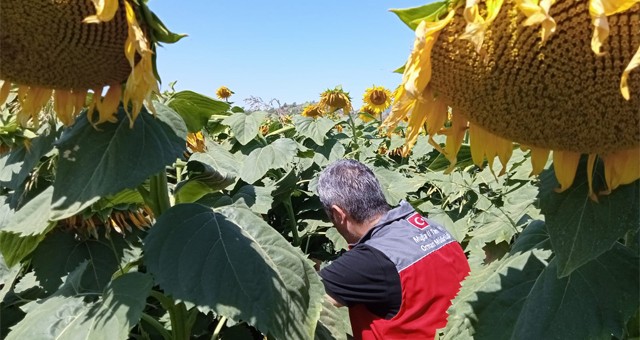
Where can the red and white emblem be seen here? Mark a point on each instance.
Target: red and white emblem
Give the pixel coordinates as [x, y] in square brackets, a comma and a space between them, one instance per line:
[417, 221]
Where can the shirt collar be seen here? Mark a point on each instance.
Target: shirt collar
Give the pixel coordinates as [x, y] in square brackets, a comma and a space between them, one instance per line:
[402, 210]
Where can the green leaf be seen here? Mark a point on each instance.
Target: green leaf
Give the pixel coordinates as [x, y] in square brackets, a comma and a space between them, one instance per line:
[284, 187]
[68, 317]
[27, 228]
[245, 125]
[412, 16]
[258, 198]
[581, 229]
[8, 276]
[314, 128]
[331, 151]
[594, 302]
[219, 159]
[59, 253]
[195, 109]
[233, 262]
[203, 179]
[95, 163]
[334, 322]
[465, 309]
[16, 165]
[278, 154]
[338, 241]
[396, 186]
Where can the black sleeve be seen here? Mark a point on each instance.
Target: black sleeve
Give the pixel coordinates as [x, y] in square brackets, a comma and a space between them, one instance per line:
[364, 275]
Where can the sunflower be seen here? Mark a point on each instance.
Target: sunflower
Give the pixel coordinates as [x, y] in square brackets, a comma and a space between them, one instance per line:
[196, 142]
[313, 111]
[548, 75]
[64, 49]
[377, 98]
[224, 93]
[367, 113]
[336, 99]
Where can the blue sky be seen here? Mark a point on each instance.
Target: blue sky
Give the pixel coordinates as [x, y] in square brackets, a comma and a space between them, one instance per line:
[288, 50]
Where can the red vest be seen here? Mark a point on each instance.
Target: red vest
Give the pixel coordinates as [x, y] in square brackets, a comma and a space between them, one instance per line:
[431, 265]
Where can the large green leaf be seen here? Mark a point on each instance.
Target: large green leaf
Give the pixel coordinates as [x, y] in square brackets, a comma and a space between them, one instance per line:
[232, 262]
[195, 109]
[95, 163]
[219, 159]
[59, 253]
[594, 302]
[333, 324]
[510, 278]
[64, 316]
[27, 228]
[314, 128]
[258, 198]
[278, 154]
[581, 229]
[523, 295]
[16, 165]
[331, 151]
[395, 185]
[245, 125]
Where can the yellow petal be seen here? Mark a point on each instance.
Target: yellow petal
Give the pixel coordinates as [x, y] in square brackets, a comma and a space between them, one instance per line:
[61, 99]
[622, 167]
[105, 10]
[5, 87]
[599, 10]
[455, 136]
[109, 104]
[539, 158]
[476, 24]
[624, 86]
[80, 98]
[416, 120]
[591, 161]
[478, 140]
[565, 164]
[537, 12]
[400, 110]
[417, 73]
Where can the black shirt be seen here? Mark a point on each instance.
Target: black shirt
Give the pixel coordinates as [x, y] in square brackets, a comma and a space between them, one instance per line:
[373, 280]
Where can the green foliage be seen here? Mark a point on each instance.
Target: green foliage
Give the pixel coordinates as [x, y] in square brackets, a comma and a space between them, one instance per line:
[95, 163]
[276, 288]
[196, 109]
[239, 231]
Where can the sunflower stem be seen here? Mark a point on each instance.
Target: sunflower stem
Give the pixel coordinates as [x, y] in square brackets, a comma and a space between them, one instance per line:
[354, 135]
[292, 221]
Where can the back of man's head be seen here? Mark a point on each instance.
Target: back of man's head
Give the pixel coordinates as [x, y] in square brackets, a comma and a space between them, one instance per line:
[353, 187]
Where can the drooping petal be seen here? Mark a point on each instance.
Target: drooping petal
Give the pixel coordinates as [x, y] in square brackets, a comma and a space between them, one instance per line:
[620, 168]
[61, 99]
[476, 24]
[417, 73]
[416, 120]
[455, 136]
[537, 12]
[624, 86]
[565, 164]
[105, 11]
[591, 161]
[539, 157]
[5, 87]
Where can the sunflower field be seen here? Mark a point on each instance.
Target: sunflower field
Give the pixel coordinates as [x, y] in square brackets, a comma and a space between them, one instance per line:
[130, 213]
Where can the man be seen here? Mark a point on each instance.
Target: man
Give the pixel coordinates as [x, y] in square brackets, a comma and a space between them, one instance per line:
[401, 272]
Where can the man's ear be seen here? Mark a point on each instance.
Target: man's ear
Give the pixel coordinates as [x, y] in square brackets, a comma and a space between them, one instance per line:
[338, 214]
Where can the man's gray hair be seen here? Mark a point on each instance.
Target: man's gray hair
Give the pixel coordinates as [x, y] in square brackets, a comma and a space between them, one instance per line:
[353, 187]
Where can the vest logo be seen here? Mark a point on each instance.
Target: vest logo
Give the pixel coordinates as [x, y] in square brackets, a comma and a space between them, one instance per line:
[417, 221]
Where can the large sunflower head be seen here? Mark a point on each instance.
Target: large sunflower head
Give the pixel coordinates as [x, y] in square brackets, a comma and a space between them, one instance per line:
[549, 75]
[223, 92]
[336, 99]
[377, 98]
[65, 49]
[313, 111]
